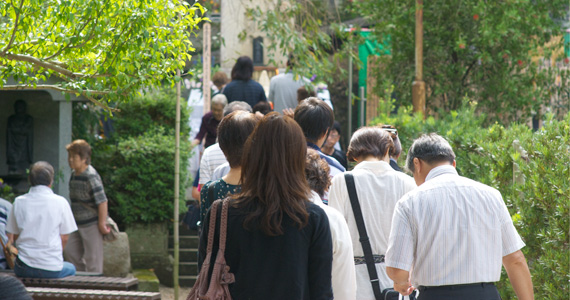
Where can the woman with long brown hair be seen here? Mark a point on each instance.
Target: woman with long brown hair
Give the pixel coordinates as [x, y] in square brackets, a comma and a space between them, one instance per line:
[278, 242]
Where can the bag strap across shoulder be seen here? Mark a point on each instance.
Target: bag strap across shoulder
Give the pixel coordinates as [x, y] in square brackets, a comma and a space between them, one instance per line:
[364, 239]
[212, 225]
[224, 225]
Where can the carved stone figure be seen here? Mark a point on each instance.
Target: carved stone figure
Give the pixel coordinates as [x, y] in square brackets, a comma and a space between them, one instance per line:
[19, 139]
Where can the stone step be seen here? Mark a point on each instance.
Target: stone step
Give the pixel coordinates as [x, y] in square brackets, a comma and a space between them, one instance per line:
[185, 241]
[186, 281]
[186, 254]
[188, 268]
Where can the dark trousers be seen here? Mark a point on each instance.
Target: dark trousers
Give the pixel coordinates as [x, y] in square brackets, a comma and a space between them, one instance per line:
[475, 291]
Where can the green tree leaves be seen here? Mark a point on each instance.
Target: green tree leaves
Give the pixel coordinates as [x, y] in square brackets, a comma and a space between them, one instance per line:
[102, 49]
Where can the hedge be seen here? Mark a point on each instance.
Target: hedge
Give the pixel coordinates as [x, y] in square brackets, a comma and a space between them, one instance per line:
[534, 180]
[136, 162]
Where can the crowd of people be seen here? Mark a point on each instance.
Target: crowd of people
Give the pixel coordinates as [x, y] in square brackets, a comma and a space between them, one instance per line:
[300, 226]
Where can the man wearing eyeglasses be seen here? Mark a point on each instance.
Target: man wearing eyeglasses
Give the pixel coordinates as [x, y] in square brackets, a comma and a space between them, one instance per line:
[453, 233]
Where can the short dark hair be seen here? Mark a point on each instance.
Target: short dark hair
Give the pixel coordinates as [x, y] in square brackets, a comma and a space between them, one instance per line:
[263, 107]
[233, 131]
[81, 148]
[315, 117]
[369, 141]
[41, 173]
[336, 126]
[317, 172]
[303, 93]
[243, 69]
[430, 148]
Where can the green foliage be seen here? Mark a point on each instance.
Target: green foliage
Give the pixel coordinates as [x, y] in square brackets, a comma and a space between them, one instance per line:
[539, 204]
[485, 50]
[152, 111]
[311, 33]
[143, 184]
[480, 49]
[136, 163]
[104, 50]
[6, 192]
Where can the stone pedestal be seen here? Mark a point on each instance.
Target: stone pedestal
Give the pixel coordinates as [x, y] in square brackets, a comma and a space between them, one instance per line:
[149, 250]
[117, 257]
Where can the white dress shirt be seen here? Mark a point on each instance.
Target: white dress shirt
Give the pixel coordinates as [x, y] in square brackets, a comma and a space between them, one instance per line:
[212, 158]
[378, 187]
[40, 217]
[451, 230]
[343, 271]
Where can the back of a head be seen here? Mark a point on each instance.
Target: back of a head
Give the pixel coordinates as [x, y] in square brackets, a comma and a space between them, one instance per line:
[81, 148]
[233, 131]
[369, 141]
[220, 79]
[243, 69]
[235, 106]
[315, 117]
[397, 150]
[303, 93]
[41, 173]
[317, 172]
[431, 148]
[273, 175]
[263, 107]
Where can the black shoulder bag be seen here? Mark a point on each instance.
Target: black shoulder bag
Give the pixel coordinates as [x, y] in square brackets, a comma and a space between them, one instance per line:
[379, 294]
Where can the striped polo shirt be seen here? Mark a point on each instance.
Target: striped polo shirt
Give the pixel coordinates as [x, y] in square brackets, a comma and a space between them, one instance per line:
[86, 193]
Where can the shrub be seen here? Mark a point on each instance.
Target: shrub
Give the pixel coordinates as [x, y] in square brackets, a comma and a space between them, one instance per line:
[136, 162]
[143, 184]
[539, 206]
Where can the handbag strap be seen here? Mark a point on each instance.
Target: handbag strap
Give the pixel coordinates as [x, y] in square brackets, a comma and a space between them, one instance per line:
[224, 225]
[364, 239]
[212, 226]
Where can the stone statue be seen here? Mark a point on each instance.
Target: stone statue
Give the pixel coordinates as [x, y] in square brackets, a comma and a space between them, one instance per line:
[19, 139]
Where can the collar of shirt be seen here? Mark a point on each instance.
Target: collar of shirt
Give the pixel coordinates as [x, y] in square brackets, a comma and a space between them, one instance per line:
[41, 189]
[441, 170]
[374, 166]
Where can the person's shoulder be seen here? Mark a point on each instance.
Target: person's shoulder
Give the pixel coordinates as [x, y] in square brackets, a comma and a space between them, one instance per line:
[5, 203]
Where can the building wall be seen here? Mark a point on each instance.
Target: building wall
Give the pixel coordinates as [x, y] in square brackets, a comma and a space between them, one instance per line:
[233, 22]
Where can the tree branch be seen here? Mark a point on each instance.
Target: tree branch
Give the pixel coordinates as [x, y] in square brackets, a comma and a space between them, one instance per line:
[15, 27]
[54, 66]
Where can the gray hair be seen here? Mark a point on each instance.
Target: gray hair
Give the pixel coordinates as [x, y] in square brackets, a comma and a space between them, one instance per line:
[220, 99]
[429, 148]
[237, 105]
[41, 173]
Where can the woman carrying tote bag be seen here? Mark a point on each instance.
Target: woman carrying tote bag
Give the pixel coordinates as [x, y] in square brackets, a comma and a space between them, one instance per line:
[278, 243]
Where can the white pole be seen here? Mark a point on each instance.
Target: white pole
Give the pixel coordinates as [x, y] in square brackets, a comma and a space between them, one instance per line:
[177, 189]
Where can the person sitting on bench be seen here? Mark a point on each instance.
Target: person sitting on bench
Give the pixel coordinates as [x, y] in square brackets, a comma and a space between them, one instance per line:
[39, 224]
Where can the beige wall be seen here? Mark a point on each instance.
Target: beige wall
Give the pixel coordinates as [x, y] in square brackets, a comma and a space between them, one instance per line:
[234, 21]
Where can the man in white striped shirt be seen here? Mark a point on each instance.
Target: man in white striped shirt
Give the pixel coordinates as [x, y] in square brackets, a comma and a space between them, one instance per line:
[453, 233]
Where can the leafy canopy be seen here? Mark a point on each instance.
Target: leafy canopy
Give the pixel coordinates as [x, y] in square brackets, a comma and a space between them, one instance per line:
[486, 50]
[104, 50]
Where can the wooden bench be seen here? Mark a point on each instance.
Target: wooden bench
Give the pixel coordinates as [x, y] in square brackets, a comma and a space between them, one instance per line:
[39, 293]
[84, 282]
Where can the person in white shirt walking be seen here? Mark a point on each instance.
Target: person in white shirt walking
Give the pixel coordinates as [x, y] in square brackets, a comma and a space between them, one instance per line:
[40, 223]
[378, 187]
[453, 233]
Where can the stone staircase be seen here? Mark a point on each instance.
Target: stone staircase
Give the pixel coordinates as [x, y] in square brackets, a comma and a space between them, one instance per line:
[188, 247]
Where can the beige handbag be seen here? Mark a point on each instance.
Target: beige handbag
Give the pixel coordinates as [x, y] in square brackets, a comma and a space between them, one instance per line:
[10, 253]
[217, 287]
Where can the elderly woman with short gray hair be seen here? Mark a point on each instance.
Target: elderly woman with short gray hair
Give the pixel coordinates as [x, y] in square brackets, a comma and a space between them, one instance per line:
[378, 188]
[210, 121]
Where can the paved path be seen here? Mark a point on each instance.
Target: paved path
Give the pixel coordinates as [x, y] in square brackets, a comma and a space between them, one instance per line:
[168, 293]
